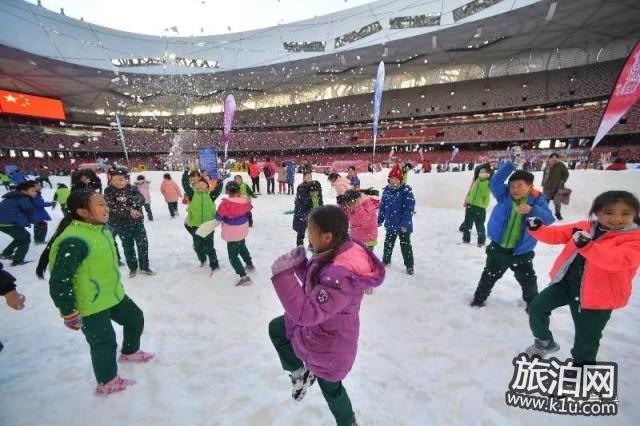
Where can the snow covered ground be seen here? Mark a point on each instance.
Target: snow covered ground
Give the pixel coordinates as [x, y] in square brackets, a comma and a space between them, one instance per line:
[424, 357]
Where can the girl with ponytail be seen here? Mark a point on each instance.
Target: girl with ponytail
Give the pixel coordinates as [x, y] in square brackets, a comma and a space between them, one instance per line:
[85, 286]
[317, 336]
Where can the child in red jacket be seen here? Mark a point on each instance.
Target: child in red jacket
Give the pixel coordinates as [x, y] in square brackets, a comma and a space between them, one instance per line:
[592, 275]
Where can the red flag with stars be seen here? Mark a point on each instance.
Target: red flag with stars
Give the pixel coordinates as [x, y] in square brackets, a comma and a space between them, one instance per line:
[33, 106]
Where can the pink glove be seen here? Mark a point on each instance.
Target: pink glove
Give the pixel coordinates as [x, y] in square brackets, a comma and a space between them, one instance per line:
[73, 321]
[289, 260]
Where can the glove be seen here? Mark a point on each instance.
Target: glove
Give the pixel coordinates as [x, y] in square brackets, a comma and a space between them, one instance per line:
[581, 238]
[534, 223]
[73, 321]
[289, 260]
[53, 205]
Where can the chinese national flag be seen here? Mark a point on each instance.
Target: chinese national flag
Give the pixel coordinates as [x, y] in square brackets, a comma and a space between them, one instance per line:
[33, 106]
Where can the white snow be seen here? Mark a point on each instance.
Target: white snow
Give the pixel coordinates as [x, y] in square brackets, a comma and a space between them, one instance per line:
[425, 357]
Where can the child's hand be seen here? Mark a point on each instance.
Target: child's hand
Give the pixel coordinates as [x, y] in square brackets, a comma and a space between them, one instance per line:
[136, 214]
[533, 223]
[15, 300]
[581, 238]
[73, 321]
[524, 209]
[121, 199]
[289, 260]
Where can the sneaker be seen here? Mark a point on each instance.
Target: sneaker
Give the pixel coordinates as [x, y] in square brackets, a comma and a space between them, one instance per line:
[542, 348]
[243, 281]
[23, 262]
[410, 270]
[250, 268]
[140, 356]
[147, 272]
[559, 216]
[301, 380]
[476, 303]
[132, 274]
[117, 384]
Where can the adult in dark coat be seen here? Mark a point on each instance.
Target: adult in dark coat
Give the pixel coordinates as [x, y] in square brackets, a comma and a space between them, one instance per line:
[555, 176]
[86, 179]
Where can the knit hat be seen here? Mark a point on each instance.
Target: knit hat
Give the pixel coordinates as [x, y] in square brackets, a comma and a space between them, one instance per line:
[396, 172]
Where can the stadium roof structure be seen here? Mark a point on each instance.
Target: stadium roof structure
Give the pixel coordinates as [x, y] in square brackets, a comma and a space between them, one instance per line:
[99, 70]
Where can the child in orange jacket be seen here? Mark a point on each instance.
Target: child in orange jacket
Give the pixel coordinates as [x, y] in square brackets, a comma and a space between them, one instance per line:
[592, 275]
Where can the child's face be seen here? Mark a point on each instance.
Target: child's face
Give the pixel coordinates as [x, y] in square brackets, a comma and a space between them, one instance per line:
[38, 186]
[616, 216]
[483, 174]
[238, 179]
[315, 193]
[31, 192]
[201, 186]
[84, 179]
[320, 241]
[394, 181]
[519, 189]
[306, 178]
[98, 211]
[118, 181]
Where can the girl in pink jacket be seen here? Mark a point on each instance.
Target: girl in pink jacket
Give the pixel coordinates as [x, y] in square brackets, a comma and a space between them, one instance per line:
[171, 193]
[362, 211]
[142, 184]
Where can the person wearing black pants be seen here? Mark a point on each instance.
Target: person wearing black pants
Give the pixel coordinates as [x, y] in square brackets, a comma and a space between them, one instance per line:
[255, 184]
[173, 209]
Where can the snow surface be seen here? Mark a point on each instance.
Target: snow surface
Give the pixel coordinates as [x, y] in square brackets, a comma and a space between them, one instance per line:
[424, 356]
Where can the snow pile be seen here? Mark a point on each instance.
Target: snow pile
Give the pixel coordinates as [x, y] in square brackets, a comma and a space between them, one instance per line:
[424, 358]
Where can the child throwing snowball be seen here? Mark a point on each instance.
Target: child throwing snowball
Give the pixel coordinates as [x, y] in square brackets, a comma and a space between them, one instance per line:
[85, 286]
[317, 337]
[592, 275]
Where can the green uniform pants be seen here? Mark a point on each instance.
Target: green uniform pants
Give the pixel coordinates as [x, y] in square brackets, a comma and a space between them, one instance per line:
[18, 248]
[405, 248]
[100, 335]
[500, 259]
[334, 393]
[132, 237]
[237, 250]
[474, 215]
[204, 247]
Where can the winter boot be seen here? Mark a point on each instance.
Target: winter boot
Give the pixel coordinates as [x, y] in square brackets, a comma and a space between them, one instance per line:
[301, 380]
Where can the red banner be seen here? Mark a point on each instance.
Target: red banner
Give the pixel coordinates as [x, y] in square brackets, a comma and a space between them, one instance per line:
[625, 94]
[33, 106]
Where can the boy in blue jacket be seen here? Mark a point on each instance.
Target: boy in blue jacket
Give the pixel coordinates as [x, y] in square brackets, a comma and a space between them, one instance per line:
[396, 212]
[40, 216]
[511, 244]
[16, 213]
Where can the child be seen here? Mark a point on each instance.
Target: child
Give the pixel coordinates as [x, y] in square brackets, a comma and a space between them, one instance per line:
[247, 193]
[40, 216]
[593, 274]
[233, 215]
[86, 179]
[201, 209]
[302, 207]
[396, 213]
[352, 175]
[85, 286]
[14, 299]
[254, 173]
[269, 169]
[142, 185]
[60, 197]
[511, 245]
[5, 179]
[282, 177]
[318, 334]
[362, 211]
[340, 184]
[476, 205]
[291, 176]
[17, 213]
[171, 193]
[125, 206]
[315, 192]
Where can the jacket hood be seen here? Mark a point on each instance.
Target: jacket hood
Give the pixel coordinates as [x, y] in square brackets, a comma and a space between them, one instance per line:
[358, 262]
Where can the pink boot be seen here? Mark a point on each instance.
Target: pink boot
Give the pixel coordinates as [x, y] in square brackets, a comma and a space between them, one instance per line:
[117, 384]
[140, 356]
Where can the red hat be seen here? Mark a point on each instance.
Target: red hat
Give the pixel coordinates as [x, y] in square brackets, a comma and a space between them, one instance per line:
[396, 172]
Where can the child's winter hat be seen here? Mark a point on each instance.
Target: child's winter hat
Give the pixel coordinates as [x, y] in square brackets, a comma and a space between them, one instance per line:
[140, 177]
[120, 171]
[396, 173]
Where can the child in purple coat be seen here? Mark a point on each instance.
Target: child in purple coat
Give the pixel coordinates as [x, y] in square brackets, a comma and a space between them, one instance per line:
[318, 335]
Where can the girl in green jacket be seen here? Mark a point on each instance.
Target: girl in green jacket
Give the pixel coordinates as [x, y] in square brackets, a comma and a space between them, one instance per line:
[85, 286]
